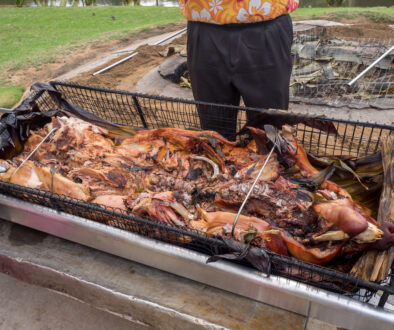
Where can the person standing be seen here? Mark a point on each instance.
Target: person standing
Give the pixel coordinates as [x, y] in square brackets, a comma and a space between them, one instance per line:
[238, 48]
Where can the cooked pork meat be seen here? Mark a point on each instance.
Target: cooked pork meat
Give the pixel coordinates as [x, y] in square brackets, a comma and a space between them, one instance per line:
[199, 180]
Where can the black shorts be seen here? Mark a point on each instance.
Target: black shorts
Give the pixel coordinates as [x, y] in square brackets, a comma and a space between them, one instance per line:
[227, 62]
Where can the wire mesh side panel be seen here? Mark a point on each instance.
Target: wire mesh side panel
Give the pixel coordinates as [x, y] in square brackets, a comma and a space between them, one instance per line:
[117, 218]
[143, 111]
[352, 138]
[323, 64]
[195, 240]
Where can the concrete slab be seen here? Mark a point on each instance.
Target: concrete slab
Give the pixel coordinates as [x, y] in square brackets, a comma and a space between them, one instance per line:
[154, 84]
[134, 292]
[26, 306]
[370, 115]
[319, 22]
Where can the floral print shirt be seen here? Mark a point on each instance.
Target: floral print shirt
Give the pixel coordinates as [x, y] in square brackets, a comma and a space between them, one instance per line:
[235, 11]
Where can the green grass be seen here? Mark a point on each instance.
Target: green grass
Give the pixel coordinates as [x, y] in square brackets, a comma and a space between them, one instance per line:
[34, 35]
[9, 95]
[376, 14]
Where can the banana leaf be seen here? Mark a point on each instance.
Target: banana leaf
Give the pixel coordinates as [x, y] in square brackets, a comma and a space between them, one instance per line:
[278, 117]
[314, 182]
[76, 111]
[256, 256]
[339, 164]
[15, 128]
[361, 177]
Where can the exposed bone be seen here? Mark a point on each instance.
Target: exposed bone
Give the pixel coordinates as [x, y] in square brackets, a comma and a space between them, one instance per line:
[182, 210]
[212, 163]
[174, 219]
[337, 235]
[371, 234]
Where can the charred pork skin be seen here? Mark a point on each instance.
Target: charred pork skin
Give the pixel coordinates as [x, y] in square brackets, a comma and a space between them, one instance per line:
[198, 180]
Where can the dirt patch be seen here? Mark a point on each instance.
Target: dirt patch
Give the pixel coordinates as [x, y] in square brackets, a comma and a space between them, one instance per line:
[367, 30]
[126, 75]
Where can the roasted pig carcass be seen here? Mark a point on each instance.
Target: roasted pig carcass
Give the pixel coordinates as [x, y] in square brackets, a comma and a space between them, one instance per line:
[198, 180]
[220, 223]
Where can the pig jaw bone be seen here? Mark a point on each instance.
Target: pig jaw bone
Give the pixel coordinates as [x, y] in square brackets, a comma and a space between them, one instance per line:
[369, 235]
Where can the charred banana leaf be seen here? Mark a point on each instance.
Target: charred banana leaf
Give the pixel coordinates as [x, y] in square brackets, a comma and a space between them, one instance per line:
[15, 128]
[76, 111]
[278, 117]
[254, 255]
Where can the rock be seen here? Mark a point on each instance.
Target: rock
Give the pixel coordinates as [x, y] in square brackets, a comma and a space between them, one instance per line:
[173, 68]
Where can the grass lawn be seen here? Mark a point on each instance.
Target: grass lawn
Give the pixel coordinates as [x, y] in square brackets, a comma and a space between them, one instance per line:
[377, 14]
[9, 95]
[33, 36]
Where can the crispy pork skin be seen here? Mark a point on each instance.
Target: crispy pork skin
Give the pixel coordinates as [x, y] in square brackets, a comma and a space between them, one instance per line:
[343, 214]
[115, 201]
[222, 222]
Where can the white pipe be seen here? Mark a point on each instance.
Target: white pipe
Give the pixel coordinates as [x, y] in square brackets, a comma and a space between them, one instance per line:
[133, 54]
[115, 64]
[371, 66]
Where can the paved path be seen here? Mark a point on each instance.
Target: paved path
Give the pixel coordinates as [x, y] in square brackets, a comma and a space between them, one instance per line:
[139, 294]
[25, 306]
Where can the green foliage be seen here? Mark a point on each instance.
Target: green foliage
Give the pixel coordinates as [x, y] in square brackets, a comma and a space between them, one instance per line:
[31, 37]
[332, 3]
[19, 3]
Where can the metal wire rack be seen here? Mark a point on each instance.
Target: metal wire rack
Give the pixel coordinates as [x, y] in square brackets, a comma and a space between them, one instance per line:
[323, 65]
[137, 110]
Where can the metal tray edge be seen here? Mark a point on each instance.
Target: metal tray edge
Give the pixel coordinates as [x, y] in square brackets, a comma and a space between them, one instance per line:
[277, 291]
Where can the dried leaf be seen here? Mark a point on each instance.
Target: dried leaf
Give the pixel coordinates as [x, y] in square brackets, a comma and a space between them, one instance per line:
[76, 111]
[15, 128]
[314, 182]
[254, 255]
[278, 117]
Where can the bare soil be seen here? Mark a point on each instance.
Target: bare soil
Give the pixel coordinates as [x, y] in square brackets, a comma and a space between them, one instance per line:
[126, 75]
[368, 30]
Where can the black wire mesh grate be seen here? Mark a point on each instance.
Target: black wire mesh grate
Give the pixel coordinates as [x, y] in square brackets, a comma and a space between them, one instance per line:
[145, 111]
